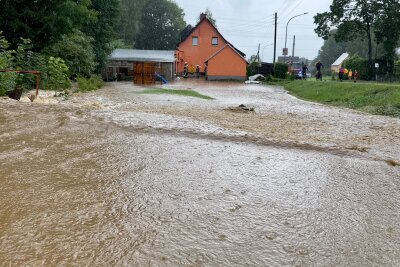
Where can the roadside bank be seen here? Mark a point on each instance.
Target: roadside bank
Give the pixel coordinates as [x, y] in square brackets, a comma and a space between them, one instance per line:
[373, 98]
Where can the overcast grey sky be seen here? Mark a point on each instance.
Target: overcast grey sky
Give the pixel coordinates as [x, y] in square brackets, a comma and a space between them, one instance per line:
[247, 23]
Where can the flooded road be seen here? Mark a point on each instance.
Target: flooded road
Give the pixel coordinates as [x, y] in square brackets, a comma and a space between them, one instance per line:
[117, 178]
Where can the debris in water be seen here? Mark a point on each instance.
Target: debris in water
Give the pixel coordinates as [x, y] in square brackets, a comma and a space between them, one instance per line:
[241, 108]
[392, 162]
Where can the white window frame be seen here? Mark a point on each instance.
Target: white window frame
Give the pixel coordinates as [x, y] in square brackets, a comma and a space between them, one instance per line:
[214, 39]
[193, 40]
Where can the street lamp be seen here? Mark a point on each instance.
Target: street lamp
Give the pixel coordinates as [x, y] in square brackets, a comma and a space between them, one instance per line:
[287, 24]
[262, 53]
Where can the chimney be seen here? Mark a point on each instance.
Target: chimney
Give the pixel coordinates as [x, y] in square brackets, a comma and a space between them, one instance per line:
[203, 16]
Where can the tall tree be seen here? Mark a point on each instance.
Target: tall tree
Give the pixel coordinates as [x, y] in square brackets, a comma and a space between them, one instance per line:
[77, 51]
[103, 30]
[43, 21]
[129, 24]
[352, 18]
[332, 49]
[161, 24]
[387, 29]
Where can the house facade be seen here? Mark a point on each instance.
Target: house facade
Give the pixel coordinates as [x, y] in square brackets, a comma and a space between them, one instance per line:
[204, 46]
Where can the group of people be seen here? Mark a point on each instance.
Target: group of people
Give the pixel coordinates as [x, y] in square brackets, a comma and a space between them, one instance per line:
[187, 70]
[350, 74]
[342, 71]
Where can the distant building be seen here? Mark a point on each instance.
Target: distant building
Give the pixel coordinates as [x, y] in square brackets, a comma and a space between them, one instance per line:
[204, 46]
[339, 62]
[288, 59]
[140, 65]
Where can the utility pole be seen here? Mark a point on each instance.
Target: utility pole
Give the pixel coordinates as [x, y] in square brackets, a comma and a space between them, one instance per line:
[276, 25]
[294, 45]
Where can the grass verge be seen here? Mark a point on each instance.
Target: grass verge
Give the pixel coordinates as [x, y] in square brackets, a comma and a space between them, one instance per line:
[374, 98]
[190, 93]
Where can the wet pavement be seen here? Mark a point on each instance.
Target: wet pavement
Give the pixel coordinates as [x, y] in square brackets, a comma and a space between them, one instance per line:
[117, 178]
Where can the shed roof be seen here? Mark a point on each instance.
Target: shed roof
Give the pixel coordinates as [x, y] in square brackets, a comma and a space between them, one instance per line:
[340, 60]
[143, 55]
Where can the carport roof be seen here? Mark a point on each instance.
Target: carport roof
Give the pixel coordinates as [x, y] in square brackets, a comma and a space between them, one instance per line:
[143, 55]
[340, 60]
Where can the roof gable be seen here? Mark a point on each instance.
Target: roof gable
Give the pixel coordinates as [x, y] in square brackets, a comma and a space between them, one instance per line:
[206, 20]
[227, 46]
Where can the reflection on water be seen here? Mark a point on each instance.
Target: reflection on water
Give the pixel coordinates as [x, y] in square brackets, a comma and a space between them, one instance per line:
[84, 185]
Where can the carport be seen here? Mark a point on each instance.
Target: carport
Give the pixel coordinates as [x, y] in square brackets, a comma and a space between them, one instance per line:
[141, 66]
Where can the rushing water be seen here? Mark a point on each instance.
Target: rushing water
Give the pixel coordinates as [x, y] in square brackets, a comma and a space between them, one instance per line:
[115, 178]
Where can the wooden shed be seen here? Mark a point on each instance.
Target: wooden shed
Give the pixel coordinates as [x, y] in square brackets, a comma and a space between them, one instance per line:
[141, 66]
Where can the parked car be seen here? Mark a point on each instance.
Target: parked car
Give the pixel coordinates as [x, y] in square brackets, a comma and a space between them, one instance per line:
[295, 68]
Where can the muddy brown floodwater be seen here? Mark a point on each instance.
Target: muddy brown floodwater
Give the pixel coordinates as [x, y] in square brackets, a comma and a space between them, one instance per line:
[117, 178]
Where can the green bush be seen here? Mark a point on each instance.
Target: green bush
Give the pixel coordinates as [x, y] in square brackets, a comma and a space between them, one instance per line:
[54, 72]
[253, 69]
[57, 74]
[8, 81]
[357, 63]
[281, 70]
[77, 51]
[89, 84]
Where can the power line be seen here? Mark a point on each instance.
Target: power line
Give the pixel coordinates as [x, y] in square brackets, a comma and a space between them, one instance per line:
[291, 11]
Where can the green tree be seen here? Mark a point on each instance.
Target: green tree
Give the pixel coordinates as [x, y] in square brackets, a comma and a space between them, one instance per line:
[129, 24]
[77, 51]
[43, 21]
[387, 30]
[103, 30]
[161, 24]
[7, 80]
[352, 18]
[332, 49]
[357, 63]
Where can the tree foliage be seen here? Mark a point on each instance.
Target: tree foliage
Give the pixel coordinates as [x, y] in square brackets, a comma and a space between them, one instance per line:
[387, 30]
[357, 63]
[362, 18]
[210, 17]
[48, 22]
[103, 31]
[281, 70]
[352, 18]
[84, 32]
[43, 21]
[332, 49]
[129, 24]
[77, 51]
[161, 24]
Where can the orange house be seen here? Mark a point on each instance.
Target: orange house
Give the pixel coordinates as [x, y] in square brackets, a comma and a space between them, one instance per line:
[206, 47]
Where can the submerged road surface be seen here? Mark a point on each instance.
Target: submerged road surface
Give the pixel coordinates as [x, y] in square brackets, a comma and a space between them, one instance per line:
[117, 178]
